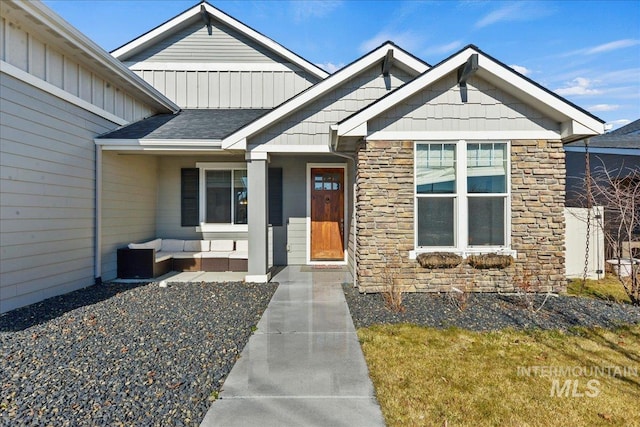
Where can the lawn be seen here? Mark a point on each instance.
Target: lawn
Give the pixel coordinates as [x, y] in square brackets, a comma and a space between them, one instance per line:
[433, 377]
[608, 288]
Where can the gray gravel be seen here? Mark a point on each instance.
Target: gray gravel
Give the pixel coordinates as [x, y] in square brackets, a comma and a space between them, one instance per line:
[133, 355]
[490, 311]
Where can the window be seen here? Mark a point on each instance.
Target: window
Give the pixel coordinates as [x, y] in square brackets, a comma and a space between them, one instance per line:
[226, 196]
[214, 196]
[461, 195]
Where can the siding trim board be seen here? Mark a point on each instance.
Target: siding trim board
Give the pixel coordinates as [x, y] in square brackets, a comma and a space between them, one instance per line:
[210, 66]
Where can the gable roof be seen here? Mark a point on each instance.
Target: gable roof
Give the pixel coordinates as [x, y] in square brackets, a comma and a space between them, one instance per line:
[575, 122]
[176, 23]
[401, 59]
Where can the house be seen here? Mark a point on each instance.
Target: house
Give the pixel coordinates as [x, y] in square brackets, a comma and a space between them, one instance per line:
[204, 128]
[617, 152]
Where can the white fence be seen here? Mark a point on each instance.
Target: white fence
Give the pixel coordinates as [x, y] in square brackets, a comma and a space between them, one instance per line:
[576, 242]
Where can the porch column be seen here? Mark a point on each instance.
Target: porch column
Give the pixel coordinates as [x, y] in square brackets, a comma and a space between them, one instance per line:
[258, 187]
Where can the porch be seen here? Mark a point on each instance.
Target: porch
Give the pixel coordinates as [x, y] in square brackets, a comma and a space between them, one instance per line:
[207, 196]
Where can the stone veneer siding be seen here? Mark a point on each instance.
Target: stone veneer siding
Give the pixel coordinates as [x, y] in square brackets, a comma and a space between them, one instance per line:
[385, 222]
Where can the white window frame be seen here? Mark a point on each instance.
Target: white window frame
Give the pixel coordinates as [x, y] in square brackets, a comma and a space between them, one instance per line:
[460, 209]
[215, 227]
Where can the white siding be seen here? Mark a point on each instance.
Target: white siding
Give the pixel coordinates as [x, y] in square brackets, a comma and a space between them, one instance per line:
[129, 201]
[33, 55]
[47, 183]
[310, 125]
[227, 89]
[439, 108]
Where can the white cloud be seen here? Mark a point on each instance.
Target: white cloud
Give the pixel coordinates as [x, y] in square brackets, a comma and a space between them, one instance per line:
[514, 11]
[330, 67]
[406, 40]
[603, 107]
[522, 70]
[603, 48]
[615, 45]
[445, 48]
[305, 9]
[579, 86]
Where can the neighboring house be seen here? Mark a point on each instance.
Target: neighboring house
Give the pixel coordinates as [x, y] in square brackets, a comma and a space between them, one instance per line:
[617, 152]
[375, 164]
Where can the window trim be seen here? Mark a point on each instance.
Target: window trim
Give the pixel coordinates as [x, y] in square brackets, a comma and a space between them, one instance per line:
[217, 227]
[461, 197]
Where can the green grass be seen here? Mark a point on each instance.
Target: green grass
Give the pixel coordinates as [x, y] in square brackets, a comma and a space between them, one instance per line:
[609, 288]
[429, 377]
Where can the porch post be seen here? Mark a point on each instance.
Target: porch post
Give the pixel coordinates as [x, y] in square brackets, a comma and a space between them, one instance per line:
[258, 187]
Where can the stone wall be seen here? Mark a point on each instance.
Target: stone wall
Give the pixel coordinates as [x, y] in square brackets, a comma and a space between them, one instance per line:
[385, 222]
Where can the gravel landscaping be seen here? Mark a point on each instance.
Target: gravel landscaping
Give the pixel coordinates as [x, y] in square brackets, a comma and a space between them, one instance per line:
[122, 354]
[490, 311]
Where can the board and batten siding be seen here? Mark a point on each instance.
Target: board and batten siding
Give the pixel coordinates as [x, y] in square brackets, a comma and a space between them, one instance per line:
[311, 124]
[129, 201]
[226, 69]
[439, 108]
[227, 88]
[31, 54]
[47, 187]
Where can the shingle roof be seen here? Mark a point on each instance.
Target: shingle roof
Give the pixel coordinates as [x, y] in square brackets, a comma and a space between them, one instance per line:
[626, 137]
[188, 124]
[631, 128]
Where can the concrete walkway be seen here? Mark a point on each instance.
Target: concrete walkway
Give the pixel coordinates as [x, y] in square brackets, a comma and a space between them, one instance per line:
[303, 366]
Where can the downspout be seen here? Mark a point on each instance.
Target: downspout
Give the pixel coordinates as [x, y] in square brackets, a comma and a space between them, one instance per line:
[333, 138]
[98, 218]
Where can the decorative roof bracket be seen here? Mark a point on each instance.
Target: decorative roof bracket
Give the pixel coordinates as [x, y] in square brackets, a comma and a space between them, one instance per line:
[464, 72]
[206, 18]
[387, 63]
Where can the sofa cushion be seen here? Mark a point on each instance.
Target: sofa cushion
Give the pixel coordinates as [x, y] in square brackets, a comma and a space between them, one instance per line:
[172, 245]
[242, 245]
[152, 244]
[221, 246]
[186, 255]
[196, 245]
[239, 255]
[162, 256]
[216, 254]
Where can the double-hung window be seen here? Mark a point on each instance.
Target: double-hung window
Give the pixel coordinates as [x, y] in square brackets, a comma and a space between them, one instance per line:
[223, 194]
[461, 196]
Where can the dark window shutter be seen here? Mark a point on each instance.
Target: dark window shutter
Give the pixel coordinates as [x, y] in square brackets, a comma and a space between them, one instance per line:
[275, 197]
[190, 203]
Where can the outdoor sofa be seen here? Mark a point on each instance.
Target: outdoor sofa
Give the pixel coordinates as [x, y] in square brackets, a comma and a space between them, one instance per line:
[157, 257]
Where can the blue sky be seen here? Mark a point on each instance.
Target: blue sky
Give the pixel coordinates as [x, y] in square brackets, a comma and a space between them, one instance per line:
[586, 51]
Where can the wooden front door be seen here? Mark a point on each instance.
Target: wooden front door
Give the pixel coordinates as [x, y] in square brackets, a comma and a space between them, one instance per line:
[327, 214]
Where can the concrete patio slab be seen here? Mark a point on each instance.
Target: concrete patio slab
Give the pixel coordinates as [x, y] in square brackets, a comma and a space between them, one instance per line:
[304, 365]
